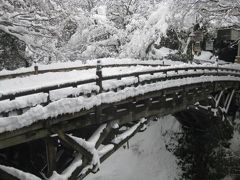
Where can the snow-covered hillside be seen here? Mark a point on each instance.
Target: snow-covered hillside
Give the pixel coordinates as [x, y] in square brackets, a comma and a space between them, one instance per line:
[146, 159]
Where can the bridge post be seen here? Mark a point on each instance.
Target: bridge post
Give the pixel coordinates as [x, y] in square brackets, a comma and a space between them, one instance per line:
[138, 81]
[51, 156]
[165, 73]
[35, 68]
[99, 74]
[99, 83]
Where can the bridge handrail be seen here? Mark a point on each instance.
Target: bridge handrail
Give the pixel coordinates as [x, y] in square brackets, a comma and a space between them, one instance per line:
[84, 67]
[47, 89]
[165, 70]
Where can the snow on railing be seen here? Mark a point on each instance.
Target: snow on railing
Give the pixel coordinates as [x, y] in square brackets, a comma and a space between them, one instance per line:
[171, 70]
[36, 69]
[46, 94]
[79, 104]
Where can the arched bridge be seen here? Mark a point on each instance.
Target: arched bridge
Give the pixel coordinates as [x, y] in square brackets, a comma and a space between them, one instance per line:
[65, 130]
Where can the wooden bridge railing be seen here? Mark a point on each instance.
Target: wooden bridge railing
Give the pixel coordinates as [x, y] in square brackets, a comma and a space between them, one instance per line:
[167, 73]
[36, 69]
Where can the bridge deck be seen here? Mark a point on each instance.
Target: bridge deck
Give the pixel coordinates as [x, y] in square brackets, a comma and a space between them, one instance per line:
[34, 112]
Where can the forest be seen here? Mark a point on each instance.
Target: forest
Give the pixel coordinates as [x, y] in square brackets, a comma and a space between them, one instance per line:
[47, 31]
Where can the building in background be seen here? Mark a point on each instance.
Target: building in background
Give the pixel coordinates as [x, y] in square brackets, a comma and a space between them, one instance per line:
[227, 44]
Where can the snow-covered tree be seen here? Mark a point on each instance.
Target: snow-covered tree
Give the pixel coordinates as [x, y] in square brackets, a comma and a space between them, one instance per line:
[45, 26]
[154, 27]
[208, 14]
[70, 30]
[34, 22]
[12, 52]
[121, 12]
[217, 12]
[94, 37]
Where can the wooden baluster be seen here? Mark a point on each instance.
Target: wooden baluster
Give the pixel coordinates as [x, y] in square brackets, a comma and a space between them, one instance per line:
[51, 156]
[35, 68]
[99, 83]
[136, 84]
[99, 74]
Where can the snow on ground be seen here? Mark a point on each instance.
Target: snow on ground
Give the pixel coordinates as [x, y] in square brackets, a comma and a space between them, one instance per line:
[147, 157]
[228, 178]
[208, 57]
[235, 141]
[164, 52]
[19, 174]
[205, 56]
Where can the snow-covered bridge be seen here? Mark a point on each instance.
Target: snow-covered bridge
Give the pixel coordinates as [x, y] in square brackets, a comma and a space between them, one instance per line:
[78, 118]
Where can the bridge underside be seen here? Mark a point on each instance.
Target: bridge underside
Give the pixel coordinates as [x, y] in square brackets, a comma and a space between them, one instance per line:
[106, 127]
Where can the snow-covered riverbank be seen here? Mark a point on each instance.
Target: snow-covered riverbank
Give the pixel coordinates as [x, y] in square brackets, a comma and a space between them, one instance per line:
[146, 159]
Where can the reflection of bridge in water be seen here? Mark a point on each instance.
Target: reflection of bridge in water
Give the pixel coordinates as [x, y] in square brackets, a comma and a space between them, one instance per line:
[111, 111]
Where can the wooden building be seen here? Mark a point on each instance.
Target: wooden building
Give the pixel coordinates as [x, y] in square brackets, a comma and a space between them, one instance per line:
[230, 37]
